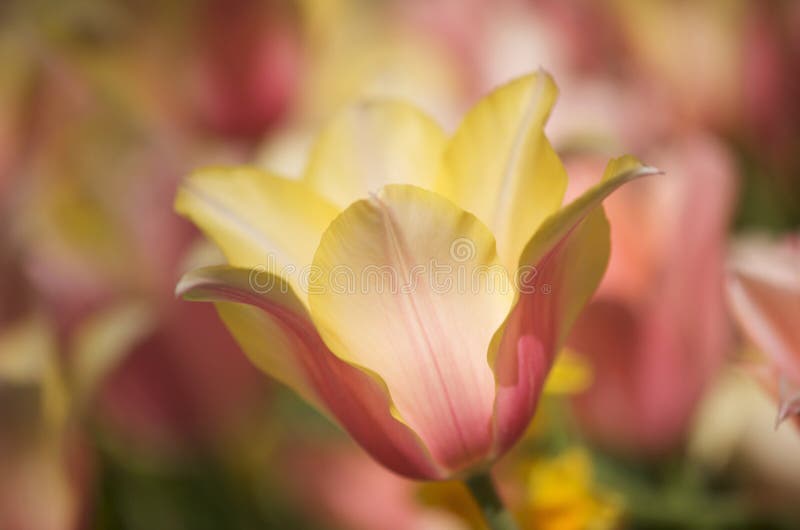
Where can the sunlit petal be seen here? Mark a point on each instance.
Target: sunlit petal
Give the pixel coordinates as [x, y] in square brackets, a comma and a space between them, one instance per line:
[379, 303]
[256, 218]
[500, 166]
[371, 144]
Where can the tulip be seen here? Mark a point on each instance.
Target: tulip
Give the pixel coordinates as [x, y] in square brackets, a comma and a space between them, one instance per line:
[655, 335]
[764, 294]
[360, 306]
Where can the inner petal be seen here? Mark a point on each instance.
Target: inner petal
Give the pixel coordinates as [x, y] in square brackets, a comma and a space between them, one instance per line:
[409, 286]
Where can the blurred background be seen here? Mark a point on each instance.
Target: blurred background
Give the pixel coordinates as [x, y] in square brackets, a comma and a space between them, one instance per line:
[124, 408]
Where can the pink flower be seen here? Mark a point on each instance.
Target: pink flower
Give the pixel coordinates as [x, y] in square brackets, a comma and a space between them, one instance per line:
[655, 333]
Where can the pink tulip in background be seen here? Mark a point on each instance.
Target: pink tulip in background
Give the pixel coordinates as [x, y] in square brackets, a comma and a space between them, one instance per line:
[655, 334]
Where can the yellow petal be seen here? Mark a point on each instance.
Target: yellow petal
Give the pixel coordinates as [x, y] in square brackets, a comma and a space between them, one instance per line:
[256, 218]
[582, 229]
[379, 303]
[371, 144]
[501, 167]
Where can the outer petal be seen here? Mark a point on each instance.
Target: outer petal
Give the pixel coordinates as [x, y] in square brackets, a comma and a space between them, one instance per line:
[371, 144]
[560, 268]
[501, 167]
[273, 328]
[409, 287]
[256, 218]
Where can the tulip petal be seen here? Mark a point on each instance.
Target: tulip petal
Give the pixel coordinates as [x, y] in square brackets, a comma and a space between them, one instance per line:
[560, 268]
[379, 303]
[273, 328]
[371, 144]
[500, 166]
[256, 218]
[789, 395]
[767, 305]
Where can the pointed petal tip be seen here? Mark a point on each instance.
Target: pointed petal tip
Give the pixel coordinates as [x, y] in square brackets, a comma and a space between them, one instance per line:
[187, 284]
[783, 414]
[789, 404]
[650, 170]
[640, 172]
[194, 285]
[544, 72]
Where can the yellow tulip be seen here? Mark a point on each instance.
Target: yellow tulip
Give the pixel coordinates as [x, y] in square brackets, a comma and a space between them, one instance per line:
[412, 286]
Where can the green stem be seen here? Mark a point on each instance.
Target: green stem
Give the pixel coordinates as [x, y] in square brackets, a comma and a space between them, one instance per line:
[485, 495]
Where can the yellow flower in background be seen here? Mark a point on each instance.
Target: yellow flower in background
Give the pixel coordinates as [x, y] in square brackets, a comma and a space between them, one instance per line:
[571, 374]
[562, 495]
[337, 295]
[558, 492]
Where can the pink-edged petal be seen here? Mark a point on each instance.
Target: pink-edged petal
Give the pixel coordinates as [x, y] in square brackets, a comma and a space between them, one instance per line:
[257, 219]
[764, 293]
[389, 297]
[560, 268]
[273, 328]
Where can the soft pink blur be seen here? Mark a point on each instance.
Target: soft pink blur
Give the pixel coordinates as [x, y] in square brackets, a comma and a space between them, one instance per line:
[92, 227]
[655, 333]
[344, 486]
[248, 67]
[771, 82]
[764, 293]
[45, 485]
